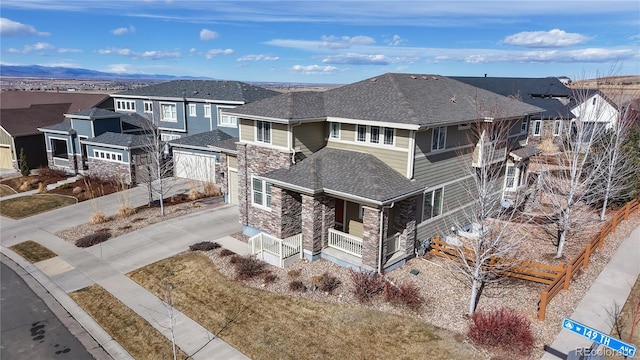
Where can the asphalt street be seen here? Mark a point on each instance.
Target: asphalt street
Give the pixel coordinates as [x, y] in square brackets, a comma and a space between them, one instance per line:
[29, 329]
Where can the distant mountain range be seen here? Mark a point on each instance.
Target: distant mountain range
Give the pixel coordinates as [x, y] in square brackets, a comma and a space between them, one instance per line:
[58, 72]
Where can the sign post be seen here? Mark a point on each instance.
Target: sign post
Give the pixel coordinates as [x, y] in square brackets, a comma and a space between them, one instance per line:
[599, 338]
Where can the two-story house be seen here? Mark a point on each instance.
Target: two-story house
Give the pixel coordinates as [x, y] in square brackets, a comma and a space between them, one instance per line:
[367, 170]
[188, 114]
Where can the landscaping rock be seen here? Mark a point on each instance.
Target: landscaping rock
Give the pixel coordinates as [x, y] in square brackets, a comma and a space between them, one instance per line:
[78, 190]
[34, 182]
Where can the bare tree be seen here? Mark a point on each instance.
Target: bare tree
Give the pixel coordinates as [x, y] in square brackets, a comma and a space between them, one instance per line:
[488, 249]
[157, 166]
[570, 177]
[616, 165]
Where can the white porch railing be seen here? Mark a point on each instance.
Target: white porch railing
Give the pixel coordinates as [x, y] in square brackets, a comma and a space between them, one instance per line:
[345, 242]
[275, 251]
[393, 243]
[60, 162]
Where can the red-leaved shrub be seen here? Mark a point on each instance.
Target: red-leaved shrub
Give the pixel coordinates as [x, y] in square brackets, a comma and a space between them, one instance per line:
[247, 267]
[405, 294]
[366, 285]
[504, 327]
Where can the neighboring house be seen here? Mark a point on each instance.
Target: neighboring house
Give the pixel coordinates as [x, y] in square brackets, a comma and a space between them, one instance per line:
[367, 171]
[23, 112]
[549, 93]
[93, 141]
[600, 111]
[184, 109]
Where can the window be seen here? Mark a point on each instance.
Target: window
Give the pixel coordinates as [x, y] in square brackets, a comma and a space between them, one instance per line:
[207, 111]
[261, 193]
[438, 138]
[374, 135]
[361, 133]
[59, 148]
[227, 120]
[432, 204]
[169, 137]
[334, 131]
[192, 110]
[263, 131]
[148, 107]
[168, 112]
[537, 128]
[524, 125]
[126, 105]
[510, 181]
[107, 155]
[557, 128]
[389, 135]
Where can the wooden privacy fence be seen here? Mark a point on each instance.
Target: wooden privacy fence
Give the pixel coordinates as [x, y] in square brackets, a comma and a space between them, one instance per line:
[582, 259]
[555, 277]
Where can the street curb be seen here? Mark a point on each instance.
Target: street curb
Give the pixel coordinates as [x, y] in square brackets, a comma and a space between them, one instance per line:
[90, 334]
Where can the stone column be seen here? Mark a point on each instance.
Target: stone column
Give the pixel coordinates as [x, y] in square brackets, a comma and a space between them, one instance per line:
[318, 216]
[370, 237]
[406, 219]
[222, 178]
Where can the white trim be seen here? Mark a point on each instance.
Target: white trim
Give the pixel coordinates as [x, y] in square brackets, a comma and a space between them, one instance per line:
[270, 146]
[368, 145]
[411, 154]
[193, 110]
[207, 107]
[263, 192]
[255, 132]
[525, 122]
[539, 124]
[221, 113]
[331, 130]
[374, 123]
[444, 142]
[104, 155]
[57, 138]
[557, 125]
[131, 108]
[175, 107]
[147, 109]
[169, 136]
[432, 192]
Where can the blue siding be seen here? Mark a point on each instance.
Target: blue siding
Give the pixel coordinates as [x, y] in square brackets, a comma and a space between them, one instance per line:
[215, 110]
[180, 115]
[47, 141]
[102, 126]
[82, 127]
[198, 124]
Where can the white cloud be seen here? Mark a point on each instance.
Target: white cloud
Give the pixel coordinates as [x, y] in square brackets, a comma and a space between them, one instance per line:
[313, 70]
[357, 59]
[344, 42]
[259, 57]
[215, 52]
[146, 55]
[206, 34]
[119, 68]
[396, 41]
[13, 28]
[123, 30]
[41, 47]
[541, 39]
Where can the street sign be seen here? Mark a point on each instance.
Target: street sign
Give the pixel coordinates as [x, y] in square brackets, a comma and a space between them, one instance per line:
[600, 338]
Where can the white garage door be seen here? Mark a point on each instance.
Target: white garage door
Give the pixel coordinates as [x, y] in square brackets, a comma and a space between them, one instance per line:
[5, 158]
[194, 166]
[233, 186]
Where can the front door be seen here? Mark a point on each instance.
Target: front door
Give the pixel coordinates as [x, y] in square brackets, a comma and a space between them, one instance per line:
[339, 215]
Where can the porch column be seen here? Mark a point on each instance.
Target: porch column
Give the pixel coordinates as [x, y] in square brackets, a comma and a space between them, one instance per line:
[371, 237]
[406, 220]
[318, 216]
[244, 187]
[285, 213]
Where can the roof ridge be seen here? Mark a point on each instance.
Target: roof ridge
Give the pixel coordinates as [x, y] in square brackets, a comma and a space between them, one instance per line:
[403, 99]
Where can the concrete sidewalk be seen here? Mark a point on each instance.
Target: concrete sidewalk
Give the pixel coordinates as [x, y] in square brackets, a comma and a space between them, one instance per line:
[612, 286]
[105, 264]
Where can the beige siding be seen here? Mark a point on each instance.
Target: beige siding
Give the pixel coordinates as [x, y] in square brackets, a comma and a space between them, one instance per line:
[347, 132]
[6, 139]
[309, 137]
[397, 160]
[246, 130]
[440, 226]
[232, 161]
[279, 135]
[442, 167]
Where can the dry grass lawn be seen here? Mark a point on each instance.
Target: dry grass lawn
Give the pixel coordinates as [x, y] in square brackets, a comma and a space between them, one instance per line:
[265, 325]
[6, 190]
[630, 310]
[130, 330]
[23, 206]
[32, 251]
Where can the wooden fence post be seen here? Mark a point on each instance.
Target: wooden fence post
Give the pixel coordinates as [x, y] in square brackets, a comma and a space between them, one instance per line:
[614, 222]
[587, 254]
[626, 211]
[542, 305]
[567, 276]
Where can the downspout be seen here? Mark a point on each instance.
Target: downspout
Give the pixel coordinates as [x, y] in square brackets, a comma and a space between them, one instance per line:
[292, 149]
[381, 242]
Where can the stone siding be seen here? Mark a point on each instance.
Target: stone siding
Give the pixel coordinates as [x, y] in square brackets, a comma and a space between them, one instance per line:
[70, 169]
[405, 219]
[370, 237]
[258, 160]
[109, 170]
[318, 216]
[222, 176]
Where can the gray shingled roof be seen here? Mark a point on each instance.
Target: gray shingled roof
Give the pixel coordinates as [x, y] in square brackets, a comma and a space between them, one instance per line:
[118, 139]
[538, 92]
[94, 113]
[347, 172]
[221, 90]
[421, 100]
[134, 121]
[229, 144]
[202, 139]
[297, 105]
[526, 152]
[63, 126]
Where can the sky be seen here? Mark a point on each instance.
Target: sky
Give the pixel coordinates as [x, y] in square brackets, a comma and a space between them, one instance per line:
[325, 41]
